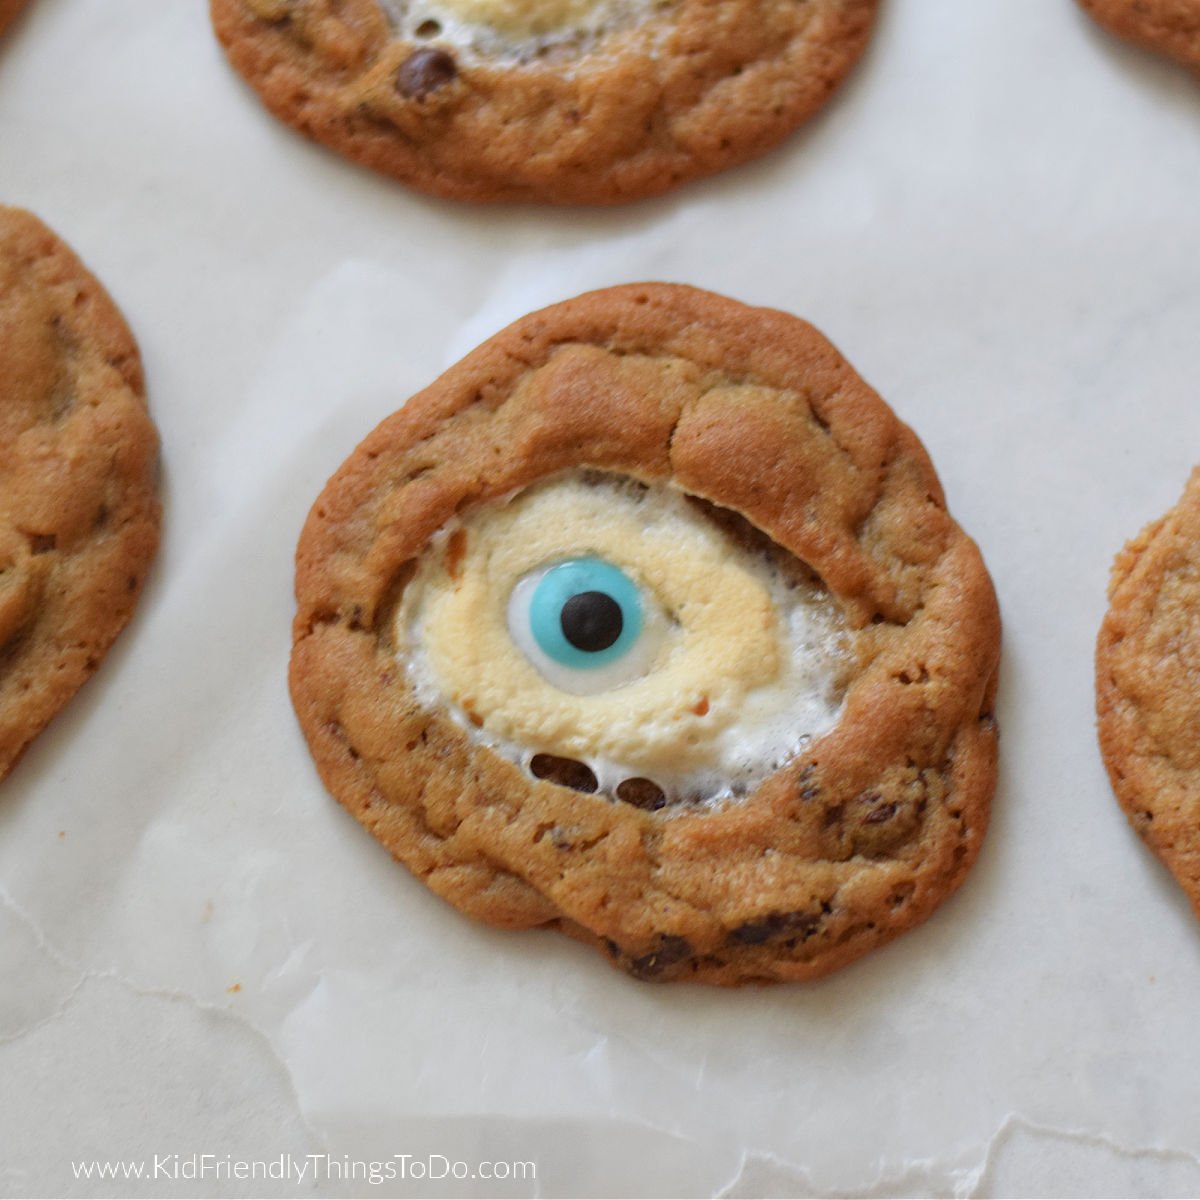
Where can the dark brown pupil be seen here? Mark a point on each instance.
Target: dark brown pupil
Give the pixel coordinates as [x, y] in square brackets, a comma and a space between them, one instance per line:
[592, 621]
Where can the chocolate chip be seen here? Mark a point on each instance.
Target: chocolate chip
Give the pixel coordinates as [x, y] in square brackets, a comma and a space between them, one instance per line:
[566, 772]
[671, 950]
[42, 543]
[642, 793]
[800, 925]
[423, 72]
[879, 811]
[806, 785]
[754, 933]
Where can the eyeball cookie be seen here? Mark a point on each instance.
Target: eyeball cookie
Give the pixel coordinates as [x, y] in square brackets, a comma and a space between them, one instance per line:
[1148, 687]
[647, 622]
[564, 101]
[79, 508]
[1170, 27]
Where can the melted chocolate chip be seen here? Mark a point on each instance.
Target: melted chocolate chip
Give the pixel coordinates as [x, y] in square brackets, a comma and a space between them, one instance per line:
[566, 772]
[671, 950]
[642, 793]
[796, 924]
[423, 72]
[591, 621]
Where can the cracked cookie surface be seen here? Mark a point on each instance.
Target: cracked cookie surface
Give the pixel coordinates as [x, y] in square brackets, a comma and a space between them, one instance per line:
[1148, 687]
[583, 101]
[79, 510]
[1170, 27]
[755, 417]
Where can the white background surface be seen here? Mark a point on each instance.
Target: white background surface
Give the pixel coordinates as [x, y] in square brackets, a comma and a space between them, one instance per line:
[998, 221]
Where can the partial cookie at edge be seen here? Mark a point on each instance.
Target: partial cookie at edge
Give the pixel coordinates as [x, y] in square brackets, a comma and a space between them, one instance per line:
[79, 508]
[1147, 689]
[8, 11]
[1170, 27]
[671, 98]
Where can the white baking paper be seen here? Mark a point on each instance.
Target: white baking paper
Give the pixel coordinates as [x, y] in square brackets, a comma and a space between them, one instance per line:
[998, 221]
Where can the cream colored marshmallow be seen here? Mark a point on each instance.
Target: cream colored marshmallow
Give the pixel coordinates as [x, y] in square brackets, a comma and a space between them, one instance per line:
[741, 668]
[527, 18]
[513, 28]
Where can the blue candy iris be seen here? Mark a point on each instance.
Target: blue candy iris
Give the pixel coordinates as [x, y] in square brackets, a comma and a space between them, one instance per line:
[585, 613]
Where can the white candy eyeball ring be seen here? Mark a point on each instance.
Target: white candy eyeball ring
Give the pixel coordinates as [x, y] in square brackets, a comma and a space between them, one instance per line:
[583, 624]
[647, 621]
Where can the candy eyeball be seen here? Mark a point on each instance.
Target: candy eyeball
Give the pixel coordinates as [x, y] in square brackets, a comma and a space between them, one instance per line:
[585, 612]
[585, 625]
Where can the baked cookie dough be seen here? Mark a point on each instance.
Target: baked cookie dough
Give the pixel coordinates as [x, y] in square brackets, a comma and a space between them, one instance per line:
[565, 101]
[79, 509]
[647, 622]
[1170, 27]
[1148, 687]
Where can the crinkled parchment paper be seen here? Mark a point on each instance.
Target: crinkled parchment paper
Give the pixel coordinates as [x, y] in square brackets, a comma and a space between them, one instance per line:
[998, 221]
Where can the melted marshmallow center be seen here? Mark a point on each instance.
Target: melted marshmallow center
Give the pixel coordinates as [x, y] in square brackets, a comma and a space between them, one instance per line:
[740, 663]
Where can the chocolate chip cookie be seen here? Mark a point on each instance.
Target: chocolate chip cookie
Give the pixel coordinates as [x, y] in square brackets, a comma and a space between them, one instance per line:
[1170, 27]
[1147, 689]
[565, 101]
[79, 509]
[647, 622]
